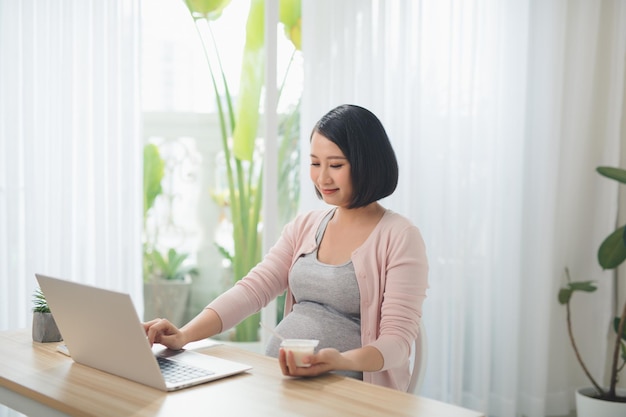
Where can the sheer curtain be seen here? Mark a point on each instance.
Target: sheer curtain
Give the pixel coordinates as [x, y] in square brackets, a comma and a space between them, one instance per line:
[70, 148]
[499, 112]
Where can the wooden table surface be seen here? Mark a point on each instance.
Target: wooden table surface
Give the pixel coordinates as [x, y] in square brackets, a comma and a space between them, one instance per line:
[38, 372]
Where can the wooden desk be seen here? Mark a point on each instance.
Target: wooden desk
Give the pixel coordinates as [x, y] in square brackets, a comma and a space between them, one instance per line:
[42, 377]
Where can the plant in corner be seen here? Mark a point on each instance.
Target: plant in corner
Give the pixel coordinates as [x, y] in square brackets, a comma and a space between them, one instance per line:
[611, 254]
[44, 327]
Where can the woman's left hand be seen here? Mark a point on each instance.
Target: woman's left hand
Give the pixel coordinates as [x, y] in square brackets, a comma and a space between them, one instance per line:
[325, 360]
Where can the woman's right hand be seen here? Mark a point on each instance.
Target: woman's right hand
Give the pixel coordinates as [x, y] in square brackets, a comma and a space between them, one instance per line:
[163, 332]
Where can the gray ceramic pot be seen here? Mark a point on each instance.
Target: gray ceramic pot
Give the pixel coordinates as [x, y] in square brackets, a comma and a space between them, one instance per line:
[45, 328]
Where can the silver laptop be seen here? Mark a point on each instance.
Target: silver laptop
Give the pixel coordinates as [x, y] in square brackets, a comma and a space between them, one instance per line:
[102, 330]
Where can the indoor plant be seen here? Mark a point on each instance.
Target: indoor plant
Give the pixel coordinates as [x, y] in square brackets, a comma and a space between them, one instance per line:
[44, 327]
[611, 254]
[238, 131]
[167, 286]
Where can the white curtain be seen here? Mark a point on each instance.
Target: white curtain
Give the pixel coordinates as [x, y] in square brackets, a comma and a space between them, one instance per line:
[499, 112]
[70, 148]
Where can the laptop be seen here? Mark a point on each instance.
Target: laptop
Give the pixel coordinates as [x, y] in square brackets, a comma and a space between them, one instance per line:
[102, 330]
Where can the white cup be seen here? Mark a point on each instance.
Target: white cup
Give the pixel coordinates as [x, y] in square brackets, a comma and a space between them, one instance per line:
[300, 349]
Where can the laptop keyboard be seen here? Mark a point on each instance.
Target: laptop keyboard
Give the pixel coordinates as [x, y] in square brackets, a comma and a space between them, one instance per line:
[174, 371]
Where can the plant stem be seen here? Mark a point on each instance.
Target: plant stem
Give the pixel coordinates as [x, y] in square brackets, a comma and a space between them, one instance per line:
[620, 332]
[580, 360]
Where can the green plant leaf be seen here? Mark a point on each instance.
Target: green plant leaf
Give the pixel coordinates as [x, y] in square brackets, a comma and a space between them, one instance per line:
[153, 170]
[207, 9]
[159, 261]
[225, 253]
[565, 294]
[250, 84]
[40, 305]
[290, 15]
[586, 286]
[170, 267]
[617, 174]
[289, 12]
[612, 251]
[174, 259]
[616, 327]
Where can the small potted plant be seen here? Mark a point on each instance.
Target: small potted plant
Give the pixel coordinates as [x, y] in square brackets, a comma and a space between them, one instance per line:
[167, 285]
[592, 401]
[44, 327]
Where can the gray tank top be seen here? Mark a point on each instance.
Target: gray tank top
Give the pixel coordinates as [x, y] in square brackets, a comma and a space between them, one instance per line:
[327, 305]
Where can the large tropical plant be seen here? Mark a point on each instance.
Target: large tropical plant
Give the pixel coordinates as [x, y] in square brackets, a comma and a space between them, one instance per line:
[238, 129]
[611, 254]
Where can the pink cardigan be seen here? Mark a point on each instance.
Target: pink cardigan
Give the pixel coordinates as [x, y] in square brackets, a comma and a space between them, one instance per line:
[392, 273]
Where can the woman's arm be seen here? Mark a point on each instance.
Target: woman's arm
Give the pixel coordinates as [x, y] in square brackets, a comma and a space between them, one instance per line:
[403, 294]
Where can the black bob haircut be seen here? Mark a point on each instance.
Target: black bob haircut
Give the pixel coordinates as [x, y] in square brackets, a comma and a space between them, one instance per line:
[364, 142]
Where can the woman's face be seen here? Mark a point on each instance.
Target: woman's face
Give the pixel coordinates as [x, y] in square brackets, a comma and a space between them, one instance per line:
[330, 171]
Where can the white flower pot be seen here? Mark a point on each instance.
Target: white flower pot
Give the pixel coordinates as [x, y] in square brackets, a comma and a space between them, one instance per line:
[588, 406]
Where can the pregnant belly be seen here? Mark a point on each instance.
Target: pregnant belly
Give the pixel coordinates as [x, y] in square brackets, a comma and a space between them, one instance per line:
[314, 321]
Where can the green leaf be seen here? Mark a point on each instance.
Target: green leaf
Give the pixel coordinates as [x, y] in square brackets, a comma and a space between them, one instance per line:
[623, 349]
[153, 170]
[225, 253]
[250, 84]
[170, 267]
[40, 305]
[289, 12]
[565, 294]
[159, 261]
[612, 251]
[290, 15]
[617, 174]
[616, 327]
[174, 260]
[587, 286]
[208, 9]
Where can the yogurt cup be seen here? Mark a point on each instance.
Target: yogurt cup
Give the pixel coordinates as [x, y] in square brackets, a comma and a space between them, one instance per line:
[300, 349]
